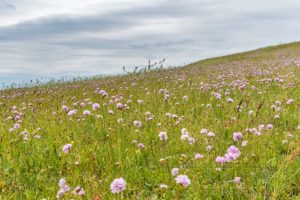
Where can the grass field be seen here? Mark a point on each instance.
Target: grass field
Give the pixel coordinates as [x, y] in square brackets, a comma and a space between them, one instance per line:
[221, 128]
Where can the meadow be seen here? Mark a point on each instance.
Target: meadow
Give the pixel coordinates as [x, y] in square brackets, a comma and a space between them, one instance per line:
[221, 128]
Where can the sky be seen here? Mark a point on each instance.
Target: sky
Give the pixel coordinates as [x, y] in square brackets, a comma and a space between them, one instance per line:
[52, 38]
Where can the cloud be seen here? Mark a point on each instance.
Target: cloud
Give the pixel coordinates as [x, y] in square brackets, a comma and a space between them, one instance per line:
[101, 36]
[6, 6]
[9, 6]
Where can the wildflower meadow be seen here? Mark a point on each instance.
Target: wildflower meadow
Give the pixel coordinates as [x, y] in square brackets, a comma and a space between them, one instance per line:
[221, 128]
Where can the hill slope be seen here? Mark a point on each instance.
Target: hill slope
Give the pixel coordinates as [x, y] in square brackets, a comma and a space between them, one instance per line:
[221, 128]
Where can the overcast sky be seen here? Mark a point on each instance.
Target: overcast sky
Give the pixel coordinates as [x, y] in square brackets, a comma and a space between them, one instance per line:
[67, 37]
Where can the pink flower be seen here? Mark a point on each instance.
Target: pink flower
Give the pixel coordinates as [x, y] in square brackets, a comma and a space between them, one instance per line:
[86, 112]
[118, 185]
[269, 126]
[204, 131]
[62, 182]
[220, 159]
[237, 179]
[78, 191]
[141, 145]
[261, 127]
[95, 106]
[184, 137]
[82, 104]
[244, 143]
[17, 126]
[65, 108]
[191, 140]
[229, 100]
[72, 112]
[119, 105]
[184, 134]
[232, 153]
[290, 101]
[198, 156]
[67, 148]
[17, 118]
[183, 180]
[175, 171]
[103, 93]
[137, 123]
[163, 136]
[211, 134]
[185, 98]
[237, 136]
[257, 133]
[63, 188]
[234, 150]
[60, 194]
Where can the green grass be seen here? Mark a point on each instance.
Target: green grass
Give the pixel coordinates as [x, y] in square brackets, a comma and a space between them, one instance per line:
[269, 166]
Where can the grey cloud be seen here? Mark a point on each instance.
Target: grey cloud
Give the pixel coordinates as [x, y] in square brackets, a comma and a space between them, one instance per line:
[57, 25]
[43, 28]
[7, 6]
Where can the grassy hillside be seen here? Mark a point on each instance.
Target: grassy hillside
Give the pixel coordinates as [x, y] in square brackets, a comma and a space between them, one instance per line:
[221, 128]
